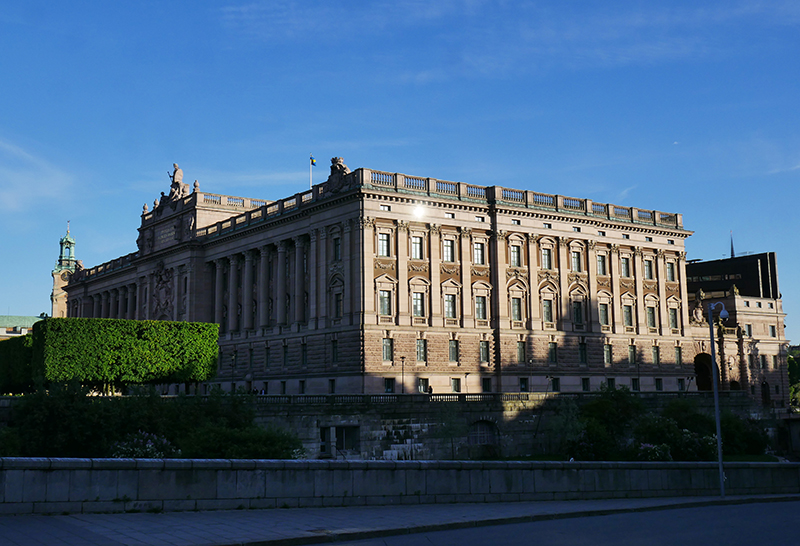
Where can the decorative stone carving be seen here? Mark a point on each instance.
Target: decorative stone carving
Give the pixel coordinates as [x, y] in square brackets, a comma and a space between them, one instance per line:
[501, 235]
[449, 269]
[604, 281]
[660, 253]
[435, 229]
[576, 277]
[479, 272]
[162, 293]
[516, 272]
[419, 266]
[379, 264]
[336, 267]
[366, 222]
[591, 245]
[312, 235]
[637, 251]
[650, 285]
[144, 209]
[337, 181]
[563, 242]
[549, 275]
[402, 226]
[627, 284]
[177, 189]
[464, 232]
[189, 226]
[614, 249]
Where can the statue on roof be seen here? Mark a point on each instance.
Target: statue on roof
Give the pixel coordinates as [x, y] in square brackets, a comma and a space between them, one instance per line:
[336, 180]
[177, 189]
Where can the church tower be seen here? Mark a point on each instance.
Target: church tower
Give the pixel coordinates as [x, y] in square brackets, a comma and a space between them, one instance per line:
[65, 267]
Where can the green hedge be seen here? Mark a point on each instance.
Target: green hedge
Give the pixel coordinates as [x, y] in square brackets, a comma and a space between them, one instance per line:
[115, 352]
[15, 364]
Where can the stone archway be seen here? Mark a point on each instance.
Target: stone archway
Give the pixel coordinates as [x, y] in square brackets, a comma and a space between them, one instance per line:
[735, 386]
[766, 398]
[702, 370]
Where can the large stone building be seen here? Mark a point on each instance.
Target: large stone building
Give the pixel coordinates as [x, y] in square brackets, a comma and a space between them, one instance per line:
[381, 282]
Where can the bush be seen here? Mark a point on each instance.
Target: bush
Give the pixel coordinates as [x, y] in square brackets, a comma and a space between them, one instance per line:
[15, 364]
[144, 445]
[214, 441]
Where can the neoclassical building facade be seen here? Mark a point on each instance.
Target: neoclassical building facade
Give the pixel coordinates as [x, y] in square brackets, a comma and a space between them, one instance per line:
[382, 282]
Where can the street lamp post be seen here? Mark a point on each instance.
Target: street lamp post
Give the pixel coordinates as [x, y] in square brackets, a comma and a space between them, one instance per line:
[723, 314]
[403, 374]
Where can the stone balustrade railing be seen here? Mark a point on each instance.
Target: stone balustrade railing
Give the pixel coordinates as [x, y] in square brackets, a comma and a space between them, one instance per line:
[108, 267]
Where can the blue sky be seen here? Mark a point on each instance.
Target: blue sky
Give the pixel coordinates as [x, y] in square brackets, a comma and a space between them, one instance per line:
[687, 107]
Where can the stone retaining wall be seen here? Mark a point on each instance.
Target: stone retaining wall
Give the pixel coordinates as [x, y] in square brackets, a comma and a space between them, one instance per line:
[114, 485]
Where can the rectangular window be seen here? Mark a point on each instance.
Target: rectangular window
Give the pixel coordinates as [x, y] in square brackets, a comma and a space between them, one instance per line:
[601, 265]
[301, 388]
[423, 385]
[576, 229]
[477, 254]
[608, 355]
[484, 351]
[416, 248]
[547, 258]
[304, 354]
[547, 225]
[514, 221]
[449, 214]
[631, 354]
[338, 305]
[388, 349]
[763, 361]
[773, 332]
[337, 249]
[648, 239]
[583, 357]
[671, 271]
[455, 384]
[678, 356]
[547, 310]
[627, 315]
[334, 350]
[383, 244]
[422, 350]
[656, 355]
[601, 233]
[751, 359]
[648, 269]
[448, 250]
[651, 317]
[514, 256]
[758, 303]
[521, 352]
[748, 330]
[603, 308]
[388, 385]
[285, 356]
[625, 267]
[555, 384]
[386, 208]
[747, 304]
[486, 384]
[585, 384]
[450, 306]
[385, 302]
[577, 312]
[626, 236]
[331, 386]
[418, 304]
[283, 387]
[611, 383]
[552, 352]
[453, 350]
[673, 318]
[774, 362]
[681, 384]
[480, 307]
[516, 308]
[635, 384]
[480, 218]
[523, 384]
[576, 261]
[659, 384]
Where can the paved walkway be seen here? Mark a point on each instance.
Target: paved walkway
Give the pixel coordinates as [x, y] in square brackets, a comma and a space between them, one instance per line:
[313, 525]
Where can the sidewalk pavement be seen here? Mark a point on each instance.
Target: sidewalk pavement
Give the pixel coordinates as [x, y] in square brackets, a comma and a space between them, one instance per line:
[315, 525]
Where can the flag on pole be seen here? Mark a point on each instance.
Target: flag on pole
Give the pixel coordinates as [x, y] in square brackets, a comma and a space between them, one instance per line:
[313, 161]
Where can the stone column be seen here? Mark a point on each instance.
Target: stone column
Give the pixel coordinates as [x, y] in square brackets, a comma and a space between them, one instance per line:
[263, 287]
[189, 308]
[313, 293]
[497, 270]
[130, 312]
[368, 268]
[299, 280]
[638, 269]
[681, 278]
[661, 272]
[280, 300]
[591, 279]
[617, 323]
[97, 303]
[402, 311]
[247, 291]
[233, 285]
[465, 259]
[532, 257]
[347, 258]
[322, 279]
[104, 311]
[563, 277]
[121, 301]
[357, 246]
[219, 290]
[434, 265]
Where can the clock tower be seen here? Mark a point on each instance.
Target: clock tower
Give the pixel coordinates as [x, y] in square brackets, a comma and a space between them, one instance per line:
[65, 267]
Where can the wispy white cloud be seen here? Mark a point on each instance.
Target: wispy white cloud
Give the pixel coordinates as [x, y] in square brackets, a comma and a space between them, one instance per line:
[28, 181]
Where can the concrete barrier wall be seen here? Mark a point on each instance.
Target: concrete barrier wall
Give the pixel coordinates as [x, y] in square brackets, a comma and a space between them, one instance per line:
[30, 485]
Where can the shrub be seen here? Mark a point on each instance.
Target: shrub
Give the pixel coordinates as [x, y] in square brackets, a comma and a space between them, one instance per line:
[214, 441]
[15, 364]
[144, 445]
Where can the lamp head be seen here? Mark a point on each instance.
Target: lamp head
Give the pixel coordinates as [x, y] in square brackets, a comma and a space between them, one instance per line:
[723, 314]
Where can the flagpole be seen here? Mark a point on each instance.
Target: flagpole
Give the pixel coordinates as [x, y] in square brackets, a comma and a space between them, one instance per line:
[310, 166]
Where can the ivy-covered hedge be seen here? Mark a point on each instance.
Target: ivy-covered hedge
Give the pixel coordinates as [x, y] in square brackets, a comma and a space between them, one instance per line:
[15, 364]
[114, 351]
